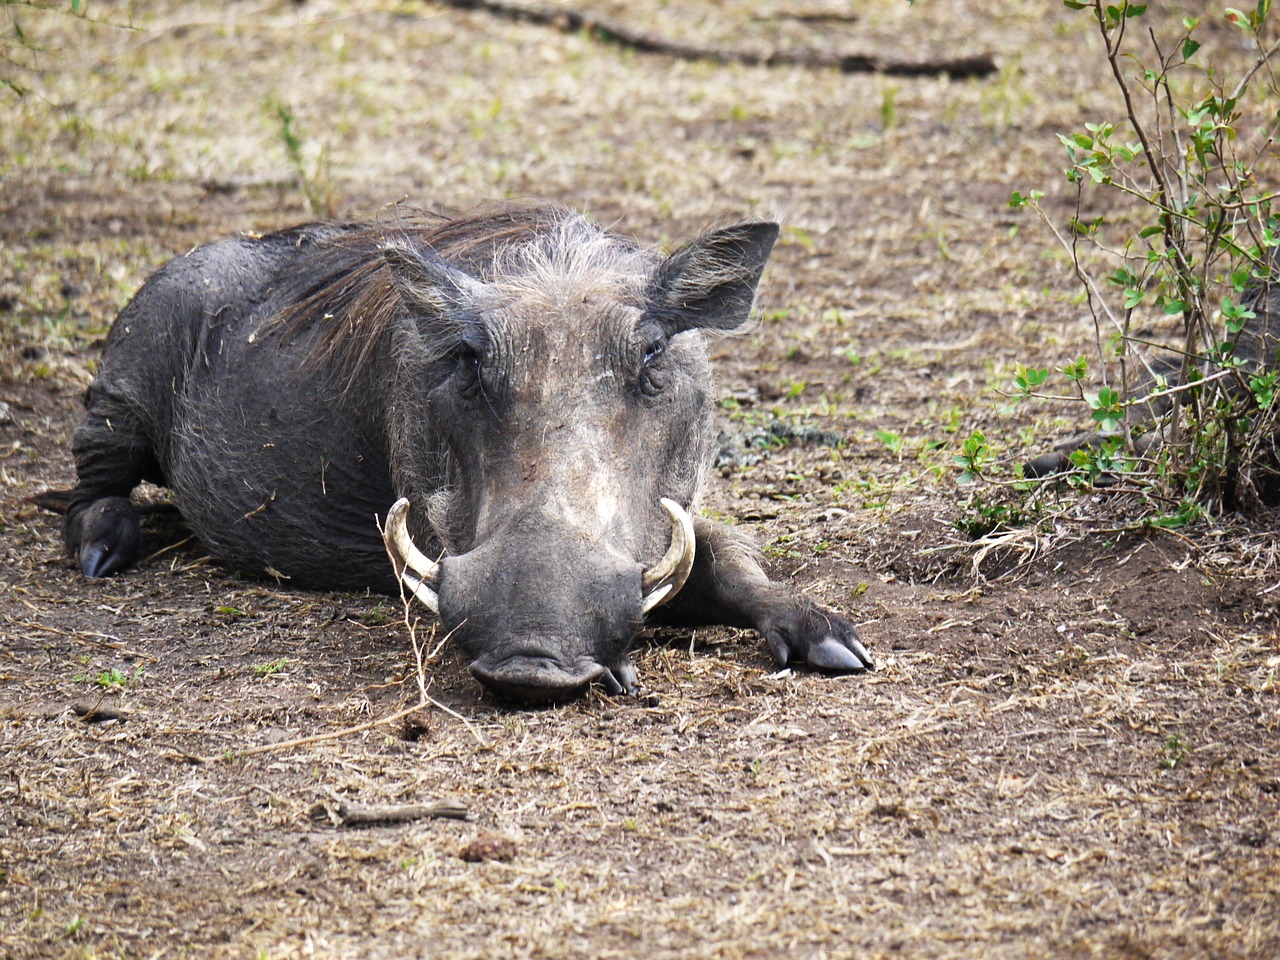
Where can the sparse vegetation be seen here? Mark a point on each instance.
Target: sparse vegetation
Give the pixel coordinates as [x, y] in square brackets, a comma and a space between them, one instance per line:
[313, 181]
[112, 679]
[271, 667]
[1173, 752]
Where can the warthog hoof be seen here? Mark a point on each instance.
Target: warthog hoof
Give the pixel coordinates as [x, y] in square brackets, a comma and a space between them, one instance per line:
[813, 635]
[110, 538]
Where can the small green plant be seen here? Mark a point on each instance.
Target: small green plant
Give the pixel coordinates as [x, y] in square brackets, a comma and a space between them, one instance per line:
[113, 679]
[377, 617]
[314, 183]
[792, 388]
[888, 108]
[982, 515]
[802, 238]
[973, 458]
[892, 441]
[1173, 751]
[271, 667]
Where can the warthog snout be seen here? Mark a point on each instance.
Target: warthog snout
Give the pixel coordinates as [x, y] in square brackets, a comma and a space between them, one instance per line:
[543, 620]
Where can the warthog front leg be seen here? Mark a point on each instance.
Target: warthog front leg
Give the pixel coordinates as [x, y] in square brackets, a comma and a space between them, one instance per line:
[727, 586]
[113, 455]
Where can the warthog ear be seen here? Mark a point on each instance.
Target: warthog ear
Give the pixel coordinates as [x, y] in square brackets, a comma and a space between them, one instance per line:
[711, 282]
[427, 282]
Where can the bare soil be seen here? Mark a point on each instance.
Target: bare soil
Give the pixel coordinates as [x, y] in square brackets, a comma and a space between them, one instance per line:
[1071, 747]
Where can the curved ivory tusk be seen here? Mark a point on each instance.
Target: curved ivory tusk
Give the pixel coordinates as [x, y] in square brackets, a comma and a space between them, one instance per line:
[664, 579]
[426, 596]
[417, 571]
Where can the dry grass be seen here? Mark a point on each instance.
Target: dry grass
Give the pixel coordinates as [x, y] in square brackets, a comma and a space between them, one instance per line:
[1072, 750]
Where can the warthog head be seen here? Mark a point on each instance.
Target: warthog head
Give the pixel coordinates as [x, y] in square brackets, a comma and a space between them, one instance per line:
[554, 422]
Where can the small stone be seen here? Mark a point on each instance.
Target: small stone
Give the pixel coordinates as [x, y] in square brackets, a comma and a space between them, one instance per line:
[489, 845]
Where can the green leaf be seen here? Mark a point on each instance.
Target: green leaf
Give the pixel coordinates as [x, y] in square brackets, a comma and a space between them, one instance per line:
[1108, 422]
[1132, 297]
[1263, 389]
[892, 441]
[1108, 411]
[1073, 4]
[1189, 48]
[1077, 370]
[1027, 379]
[1235, 315]
[1123, 277]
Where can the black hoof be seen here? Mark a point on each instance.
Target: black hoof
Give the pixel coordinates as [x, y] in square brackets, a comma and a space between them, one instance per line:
[110, 538]
[817, 637]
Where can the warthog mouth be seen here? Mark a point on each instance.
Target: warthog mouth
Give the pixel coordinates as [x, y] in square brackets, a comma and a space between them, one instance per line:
[536, 677]
[534, 668]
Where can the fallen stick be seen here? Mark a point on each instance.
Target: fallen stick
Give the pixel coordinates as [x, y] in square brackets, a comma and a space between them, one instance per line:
[573, 21]
[100, 712]
[348, 813]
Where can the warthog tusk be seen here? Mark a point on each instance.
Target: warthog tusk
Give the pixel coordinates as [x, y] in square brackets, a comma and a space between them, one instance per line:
[661, 582]
[417, 571]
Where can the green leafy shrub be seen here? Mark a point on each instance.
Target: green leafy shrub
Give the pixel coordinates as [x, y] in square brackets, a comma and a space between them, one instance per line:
[1188, 231]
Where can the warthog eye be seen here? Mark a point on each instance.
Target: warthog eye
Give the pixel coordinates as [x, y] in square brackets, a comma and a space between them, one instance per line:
[469, 363]
[650, 381]
[653, 350]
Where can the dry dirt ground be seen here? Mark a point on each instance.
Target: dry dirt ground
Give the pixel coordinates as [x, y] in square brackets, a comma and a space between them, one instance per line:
[1070, 749]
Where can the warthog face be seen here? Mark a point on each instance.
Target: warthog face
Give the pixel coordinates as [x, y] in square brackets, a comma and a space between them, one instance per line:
[568, 383]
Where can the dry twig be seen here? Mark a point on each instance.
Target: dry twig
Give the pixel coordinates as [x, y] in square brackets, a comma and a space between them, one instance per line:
[573, 21]
[348, 813]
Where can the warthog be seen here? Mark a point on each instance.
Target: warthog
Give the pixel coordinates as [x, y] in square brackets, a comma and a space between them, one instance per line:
[531, 392]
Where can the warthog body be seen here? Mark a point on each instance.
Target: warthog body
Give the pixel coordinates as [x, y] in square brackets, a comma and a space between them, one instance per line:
[535, 387]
